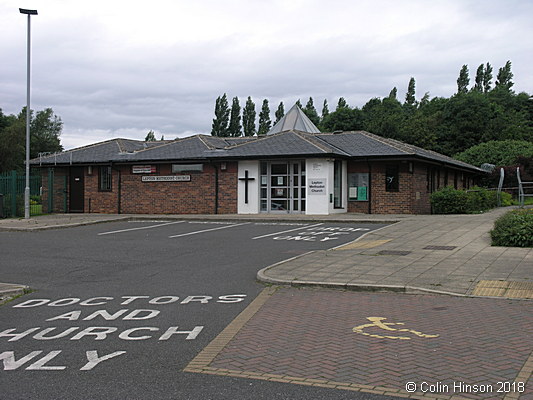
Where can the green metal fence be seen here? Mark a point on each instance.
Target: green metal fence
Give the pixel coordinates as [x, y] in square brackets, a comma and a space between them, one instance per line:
[12, 185]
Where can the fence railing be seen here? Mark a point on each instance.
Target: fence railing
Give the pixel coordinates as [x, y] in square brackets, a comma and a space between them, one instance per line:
[12, 185]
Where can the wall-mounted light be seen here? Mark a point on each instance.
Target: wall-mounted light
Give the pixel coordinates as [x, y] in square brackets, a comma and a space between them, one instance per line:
[411, 167]
[90, 170]
[223, 166]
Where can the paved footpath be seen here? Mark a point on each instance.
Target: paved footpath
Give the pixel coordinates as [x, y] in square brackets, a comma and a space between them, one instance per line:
[432, 253]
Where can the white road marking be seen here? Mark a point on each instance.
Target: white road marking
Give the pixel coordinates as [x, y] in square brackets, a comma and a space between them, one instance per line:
[207, 230]
[141, 227]
[290, 230]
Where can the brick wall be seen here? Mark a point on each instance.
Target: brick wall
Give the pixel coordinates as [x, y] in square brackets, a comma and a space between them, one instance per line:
[137, 197]
[411, 198]
[59, 190]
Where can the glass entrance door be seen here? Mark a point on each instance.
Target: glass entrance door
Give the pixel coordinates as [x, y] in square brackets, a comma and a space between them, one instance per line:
[283, 186]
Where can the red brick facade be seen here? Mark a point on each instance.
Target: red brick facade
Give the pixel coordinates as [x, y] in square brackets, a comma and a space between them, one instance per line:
[214, 191]
[417, 181]
[130, 195]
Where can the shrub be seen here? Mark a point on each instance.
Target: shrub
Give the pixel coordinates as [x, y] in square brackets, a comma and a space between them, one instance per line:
[507, 199]
[514, 229]
[452, 201]
[480, 199]
[449, 201]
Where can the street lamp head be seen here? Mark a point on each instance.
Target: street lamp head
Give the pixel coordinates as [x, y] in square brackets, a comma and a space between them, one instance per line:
[28, 12]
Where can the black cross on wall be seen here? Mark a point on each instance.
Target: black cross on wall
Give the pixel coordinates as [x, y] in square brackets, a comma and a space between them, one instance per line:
[246, 179]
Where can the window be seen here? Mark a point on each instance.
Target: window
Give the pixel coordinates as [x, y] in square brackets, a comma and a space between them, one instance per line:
[177, 168]
[337, 184]
[392, 177]
[358, 186]
[104, 179]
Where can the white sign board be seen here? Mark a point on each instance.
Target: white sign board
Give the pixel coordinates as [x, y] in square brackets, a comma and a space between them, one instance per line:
[171, 178]
[317, 186]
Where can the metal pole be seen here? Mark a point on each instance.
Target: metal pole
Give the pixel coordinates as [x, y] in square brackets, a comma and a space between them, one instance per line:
[28, 112]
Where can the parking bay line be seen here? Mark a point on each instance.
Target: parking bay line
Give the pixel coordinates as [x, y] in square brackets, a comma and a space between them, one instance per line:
[207, 230]
[140, 227]
[290, 230]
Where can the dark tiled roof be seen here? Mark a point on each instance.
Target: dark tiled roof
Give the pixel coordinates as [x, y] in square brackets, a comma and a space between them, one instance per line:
[365, 144]
[292, 143]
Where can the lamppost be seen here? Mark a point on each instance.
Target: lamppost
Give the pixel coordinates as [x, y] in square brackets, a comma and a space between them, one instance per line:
[29, 13]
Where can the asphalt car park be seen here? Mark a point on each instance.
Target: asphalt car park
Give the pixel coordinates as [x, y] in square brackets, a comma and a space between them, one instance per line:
[119, 309]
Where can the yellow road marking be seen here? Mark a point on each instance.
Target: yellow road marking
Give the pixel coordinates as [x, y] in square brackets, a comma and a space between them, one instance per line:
[378, 322]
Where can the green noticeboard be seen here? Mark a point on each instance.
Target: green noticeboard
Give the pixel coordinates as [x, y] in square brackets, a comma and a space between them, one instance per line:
[362, 193]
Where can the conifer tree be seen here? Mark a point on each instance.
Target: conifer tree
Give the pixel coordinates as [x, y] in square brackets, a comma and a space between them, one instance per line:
[504, 77]
[393, 93]
[248, 118]
[150, 137]
[341, 104]
[264, 119]
[410, 99]
[299, 104]
[310, 111]
[221, 120]
[463, 81]
[480, 72]
[280, 112]
[487, 78]
[235, 127]
[325, 109]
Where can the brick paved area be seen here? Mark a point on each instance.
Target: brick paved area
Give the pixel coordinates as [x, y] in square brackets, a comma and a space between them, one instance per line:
[307, 336]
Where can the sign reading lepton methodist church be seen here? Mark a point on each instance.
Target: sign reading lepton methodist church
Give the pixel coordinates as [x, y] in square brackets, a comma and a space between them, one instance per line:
[170, 178]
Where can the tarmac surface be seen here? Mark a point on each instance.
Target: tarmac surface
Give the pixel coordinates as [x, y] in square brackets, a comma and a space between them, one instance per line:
[447, 254]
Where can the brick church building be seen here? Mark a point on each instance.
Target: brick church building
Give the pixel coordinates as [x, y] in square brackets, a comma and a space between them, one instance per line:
[292, 169]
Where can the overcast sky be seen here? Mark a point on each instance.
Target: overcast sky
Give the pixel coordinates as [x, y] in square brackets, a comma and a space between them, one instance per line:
[121, 68]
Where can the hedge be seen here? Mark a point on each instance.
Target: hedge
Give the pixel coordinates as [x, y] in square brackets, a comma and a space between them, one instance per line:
[514, 229]
[452, 201]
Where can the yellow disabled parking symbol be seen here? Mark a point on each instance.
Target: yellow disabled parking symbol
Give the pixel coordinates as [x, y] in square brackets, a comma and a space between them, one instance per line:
[377, 322]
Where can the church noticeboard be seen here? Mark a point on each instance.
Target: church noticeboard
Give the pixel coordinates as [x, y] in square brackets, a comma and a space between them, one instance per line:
[171, 178]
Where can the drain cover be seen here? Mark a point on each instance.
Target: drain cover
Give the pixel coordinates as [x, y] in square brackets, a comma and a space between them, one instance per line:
[439, 247]
[394, 253]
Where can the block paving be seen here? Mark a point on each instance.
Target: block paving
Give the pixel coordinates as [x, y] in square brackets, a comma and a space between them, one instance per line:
[307, 336]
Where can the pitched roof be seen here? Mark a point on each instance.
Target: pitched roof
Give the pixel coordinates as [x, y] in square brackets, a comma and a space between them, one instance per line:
[292, 143]
[295, 119]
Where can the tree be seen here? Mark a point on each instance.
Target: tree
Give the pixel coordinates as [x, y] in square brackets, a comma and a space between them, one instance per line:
[248, 118]
[504, 77]
[45, 129]
[393, 93]
[264, 119]
[487, 78]
[235, 127]
[499, 153]
[280, 112]
[480, 72]
[310, 111]
[221, 120]
[150, 137]
[325, 109]
[341, 104]
[410, 99]
[12, 146]
[463, 81]
[343, 119]
[299, 104]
